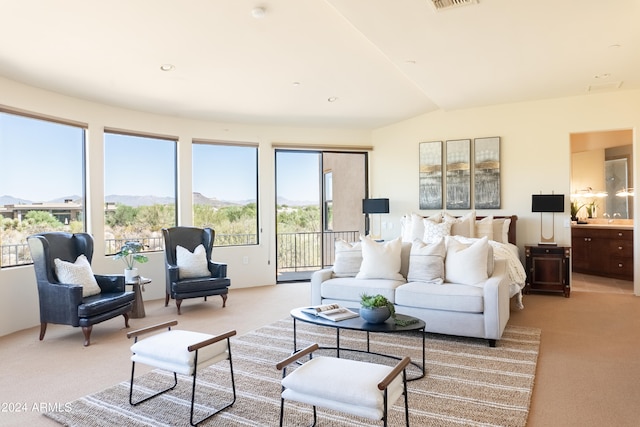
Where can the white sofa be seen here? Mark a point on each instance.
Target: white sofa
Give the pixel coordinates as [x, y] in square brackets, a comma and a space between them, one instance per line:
[480, 310]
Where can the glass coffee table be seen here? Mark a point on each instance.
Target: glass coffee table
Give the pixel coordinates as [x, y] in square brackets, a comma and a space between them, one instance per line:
[359, 324]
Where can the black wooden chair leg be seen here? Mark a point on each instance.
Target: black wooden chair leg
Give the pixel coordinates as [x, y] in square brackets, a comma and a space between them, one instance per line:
[43, 330]
[86, 330]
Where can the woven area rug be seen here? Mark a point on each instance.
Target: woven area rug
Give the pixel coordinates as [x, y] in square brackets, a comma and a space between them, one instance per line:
[467, 383]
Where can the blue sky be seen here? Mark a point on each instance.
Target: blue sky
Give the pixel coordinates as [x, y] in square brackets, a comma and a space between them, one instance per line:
[39, 145]
[298, 176]
[137, 166]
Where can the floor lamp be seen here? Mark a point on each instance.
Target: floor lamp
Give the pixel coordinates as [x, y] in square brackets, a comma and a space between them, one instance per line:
[374, 206]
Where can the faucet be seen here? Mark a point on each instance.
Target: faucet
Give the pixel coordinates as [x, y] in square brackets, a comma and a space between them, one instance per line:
[616, 215]
[607, 217]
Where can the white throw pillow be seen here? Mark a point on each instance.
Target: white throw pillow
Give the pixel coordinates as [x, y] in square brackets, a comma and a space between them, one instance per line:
[192, 264]
[484, 227]
[77, 273]
[413, 226]
[434, 231]
[380, 260]
[426, 261]
[501, 229]
[467, 264]
[462, 226]
[348, 258]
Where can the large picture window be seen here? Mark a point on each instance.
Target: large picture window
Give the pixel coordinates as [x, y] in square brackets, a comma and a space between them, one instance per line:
[225, 191]
[42, 185]
[139, 189]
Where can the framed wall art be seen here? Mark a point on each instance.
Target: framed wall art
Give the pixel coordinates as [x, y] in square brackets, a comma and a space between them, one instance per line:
[430, 185]
[486, 173]
[458, 174]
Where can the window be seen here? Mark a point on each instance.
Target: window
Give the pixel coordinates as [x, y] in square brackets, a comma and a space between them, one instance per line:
[139, 189]
[42, 185]
[225, 191]
[328, 201]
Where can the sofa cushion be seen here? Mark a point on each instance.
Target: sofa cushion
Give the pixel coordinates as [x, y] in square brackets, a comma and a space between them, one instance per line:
[467, 263]
[349, 289]
[348, 258]
[426, 261]
[450, 297]
[77, 273]
[380, 260]
[471, 240]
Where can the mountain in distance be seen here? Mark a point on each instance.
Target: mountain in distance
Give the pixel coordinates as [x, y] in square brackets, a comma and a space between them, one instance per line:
[136, 201]
[285, 201]
[201, 199]
[10, 200]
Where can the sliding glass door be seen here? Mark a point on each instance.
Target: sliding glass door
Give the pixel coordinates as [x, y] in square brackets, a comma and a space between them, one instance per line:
[318, 199]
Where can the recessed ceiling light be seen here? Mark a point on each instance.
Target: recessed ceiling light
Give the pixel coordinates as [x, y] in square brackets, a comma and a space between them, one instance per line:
[296, 84]
[602, 76]
[332, 99]
[167, 67]
[258, 12]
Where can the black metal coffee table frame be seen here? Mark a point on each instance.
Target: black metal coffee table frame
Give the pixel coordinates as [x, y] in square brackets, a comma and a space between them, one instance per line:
[358, 324]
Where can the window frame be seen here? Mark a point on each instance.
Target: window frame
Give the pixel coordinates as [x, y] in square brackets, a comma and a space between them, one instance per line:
[137, 134]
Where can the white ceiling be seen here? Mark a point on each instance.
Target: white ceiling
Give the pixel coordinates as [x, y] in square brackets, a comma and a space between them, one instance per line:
[385, 60]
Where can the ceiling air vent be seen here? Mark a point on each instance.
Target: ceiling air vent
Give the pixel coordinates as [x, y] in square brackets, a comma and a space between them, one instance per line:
[448, 4]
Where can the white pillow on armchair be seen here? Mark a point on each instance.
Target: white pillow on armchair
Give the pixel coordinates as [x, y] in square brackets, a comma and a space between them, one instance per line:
[192, 264]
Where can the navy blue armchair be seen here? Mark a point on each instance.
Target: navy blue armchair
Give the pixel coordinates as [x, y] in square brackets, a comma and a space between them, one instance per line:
[63, 303]
[214, 283]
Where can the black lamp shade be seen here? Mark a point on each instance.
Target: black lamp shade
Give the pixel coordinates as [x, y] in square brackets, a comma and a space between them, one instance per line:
[375, 206]
[547, 203]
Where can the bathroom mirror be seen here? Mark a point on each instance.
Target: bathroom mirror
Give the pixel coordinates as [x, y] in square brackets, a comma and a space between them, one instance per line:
[602, 162]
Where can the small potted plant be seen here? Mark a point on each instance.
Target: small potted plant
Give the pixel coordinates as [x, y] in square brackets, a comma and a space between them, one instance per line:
[591, 209]
[376, 308]
[575, 207]
[130, 254]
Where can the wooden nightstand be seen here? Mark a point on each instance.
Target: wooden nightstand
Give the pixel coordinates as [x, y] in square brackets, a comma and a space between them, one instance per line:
[548, 268]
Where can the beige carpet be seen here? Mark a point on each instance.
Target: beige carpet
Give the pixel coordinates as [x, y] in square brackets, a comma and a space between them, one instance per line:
[467, 383]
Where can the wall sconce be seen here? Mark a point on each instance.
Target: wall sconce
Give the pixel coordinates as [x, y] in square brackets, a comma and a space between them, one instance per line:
[589, 193]
[625, 192]
[374, 206]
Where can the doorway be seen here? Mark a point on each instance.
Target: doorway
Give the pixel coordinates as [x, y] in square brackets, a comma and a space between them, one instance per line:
[602, 197]
[318, 200]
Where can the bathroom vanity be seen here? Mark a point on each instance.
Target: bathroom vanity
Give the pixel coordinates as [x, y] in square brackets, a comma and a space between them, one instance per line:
[603, 250]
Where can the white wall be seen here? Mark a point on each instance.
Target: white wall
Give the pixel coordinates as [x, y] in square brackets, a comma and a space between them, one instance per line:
[18, 293]
[535, 154]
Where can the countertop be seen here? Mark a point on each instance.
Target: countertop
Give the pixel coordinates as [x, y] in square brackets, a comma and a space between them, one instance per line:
[613, 225]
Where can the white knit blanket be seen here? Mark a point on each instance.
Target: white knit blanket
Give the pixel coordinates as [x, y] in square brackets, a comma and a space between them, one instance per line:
[516, 271]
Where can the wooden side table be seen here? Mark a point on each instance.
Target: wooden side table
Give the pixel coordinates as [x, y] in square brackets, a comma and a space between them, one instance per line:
[547, 269]
[137, 312]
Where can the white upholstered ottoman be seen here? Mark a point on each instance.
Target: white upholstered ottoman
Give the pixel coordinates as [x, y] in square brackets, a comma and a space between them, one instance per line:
[180, 352]
[354, 387]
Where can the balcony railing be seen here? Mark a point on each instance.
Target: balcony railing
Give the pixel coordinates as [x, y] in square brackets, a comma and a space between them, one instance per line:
[304, 251]
[297, 252]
